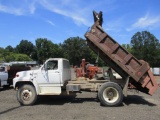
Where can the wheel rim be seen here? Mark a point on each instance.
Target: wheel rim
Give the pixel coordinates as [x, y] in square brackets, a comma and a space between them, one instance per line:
[26, 95]
[110, 95]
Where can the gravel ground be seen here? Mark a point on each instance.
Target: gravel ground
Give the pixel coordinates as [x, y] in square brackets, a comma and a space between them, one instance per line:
[137, 106]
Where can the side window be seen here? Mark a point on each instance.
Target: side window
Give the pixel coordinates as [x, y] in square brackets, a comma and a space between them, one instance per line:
[66, 64]
[52, 65]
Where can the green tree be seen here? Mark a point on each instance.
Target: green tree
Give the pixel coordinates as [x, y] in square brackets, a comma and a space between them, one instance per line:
[147, 47]
[21, 57]
[128, 47]
[46, 49]
[1, 54]
[95, 59]
[57, 51]
[9, 48]
[8, 54]
[17, 57]
[26, 47]
[75, 49]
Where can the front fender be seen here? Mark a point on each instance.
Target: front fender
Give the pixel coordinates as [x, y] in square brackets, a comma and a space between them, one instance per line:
[20, 79]
[18, 82]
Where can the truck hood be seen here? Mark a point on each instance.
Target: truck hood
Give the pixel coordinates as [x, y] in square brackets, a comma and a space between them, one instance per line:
[28, 73]
[24, 76]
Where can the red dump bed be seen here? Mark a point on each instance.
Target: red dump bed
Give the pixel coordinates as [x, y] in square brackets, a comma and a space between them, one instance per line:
[123, 62]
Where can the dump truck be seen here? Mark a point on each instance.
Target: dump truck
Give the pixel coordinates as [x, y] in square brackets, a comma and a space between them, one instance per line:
[54, 77]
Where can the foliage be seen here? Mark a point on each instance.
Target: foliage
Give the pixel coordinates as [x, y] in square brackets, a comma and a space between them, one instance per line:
[46, 49]
[128, 47]
[95, 59]
[6, 55]
[146, 46]
[21, 57]
[10, 48]
[10, 56]
[1, 54]
[74, 49]
[26, 47]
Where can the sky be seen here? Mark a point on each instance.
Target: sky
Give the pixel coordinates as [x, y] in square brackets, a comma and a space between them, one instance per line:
[58, 20]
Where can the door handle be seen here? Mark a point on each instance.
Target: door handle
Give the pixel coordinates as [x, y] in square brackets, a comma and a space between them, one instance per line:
[56, 72]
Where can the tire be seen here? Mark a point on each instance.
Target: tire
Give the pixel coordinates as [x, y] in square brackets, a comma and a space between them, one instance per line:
[26, 95]
[110, 94]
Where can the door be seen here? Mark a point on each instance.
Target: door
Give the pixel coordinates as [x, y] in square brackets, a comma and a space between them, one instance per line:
[48, 78]
[49, 74]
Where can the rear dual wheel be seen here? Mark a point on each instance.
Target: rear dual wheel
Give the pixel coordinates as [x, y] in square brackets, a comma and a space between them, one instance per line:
[110, 94]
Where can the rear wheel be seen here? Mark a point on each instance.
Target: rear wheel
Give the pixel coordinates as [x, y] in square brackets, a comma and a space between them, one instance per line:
[110, 94]
[26, 95]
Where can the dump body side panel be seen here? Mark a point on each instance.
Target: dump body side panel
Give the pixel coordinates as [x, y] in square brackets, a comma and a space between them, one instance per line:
[120, 59]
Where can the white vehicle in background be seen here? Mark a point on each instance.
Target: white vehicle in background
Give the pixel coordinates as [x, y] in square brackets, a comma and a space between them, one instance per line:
[3, 76]
[9, 70]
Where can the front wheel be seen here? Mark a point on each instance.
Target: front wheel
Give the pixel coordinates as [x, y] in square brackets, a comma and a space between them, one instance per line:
[110, 94]
[26, 95]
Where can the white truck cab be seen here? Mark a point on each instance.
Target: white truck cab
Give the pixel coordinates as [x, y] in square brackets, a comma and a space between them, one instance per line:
[49, 79]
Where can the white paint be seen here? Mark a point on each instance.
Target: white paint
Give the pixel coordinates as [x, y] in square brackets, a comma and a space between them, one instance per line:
[156, 71]
[3, 76]
[50, 90]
